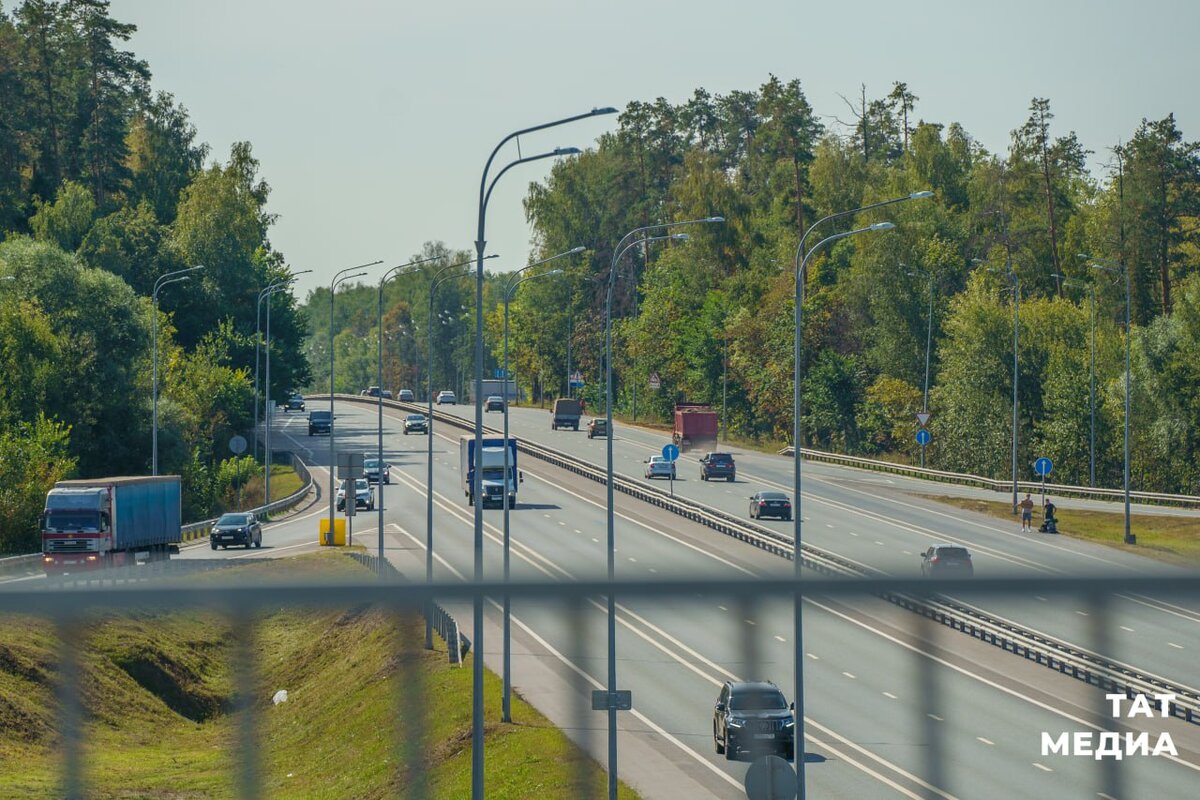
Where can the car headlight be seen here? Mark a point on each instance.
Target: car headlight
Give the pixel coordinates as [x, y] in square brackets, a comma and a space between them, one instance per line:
[737, 723]
[790, 722]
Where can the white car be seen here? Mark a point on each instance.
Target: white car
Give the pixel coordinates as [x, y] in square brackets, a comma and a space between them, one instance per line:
[659, 467]
[446, 398]
[364, 495]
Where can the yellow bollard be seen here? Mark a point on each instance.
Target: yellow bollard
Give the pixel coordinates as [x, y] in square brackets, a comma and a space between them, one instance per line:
[338, 537]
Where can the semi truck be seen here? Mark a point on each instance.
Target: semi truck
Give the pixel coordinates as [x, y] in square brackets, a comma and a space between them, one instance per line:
[103, 522]
[566, 413]
[695, 426]
[491, 462]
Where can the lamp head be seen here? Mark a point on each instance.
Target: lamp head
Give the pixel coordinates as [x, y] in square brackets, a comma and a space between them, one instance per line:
[575, 250]
[567, 151]
[683, 237]
[603, 110]
[715, 219]
[553, 272]
[1082, 256]
[882, 226]
[920, 195]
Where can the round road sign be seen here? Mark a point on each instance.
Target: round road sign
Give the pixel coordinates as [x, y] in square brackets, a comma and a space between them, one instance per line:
[924, 437]
[770, 778]
[1043, 466]
[670, 452]
[237, 445]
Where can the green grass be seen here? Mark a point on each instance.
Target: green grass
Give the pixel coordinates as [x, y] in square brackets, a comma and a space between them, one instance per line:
[157, 693]
[1172, 539]
[284, 481]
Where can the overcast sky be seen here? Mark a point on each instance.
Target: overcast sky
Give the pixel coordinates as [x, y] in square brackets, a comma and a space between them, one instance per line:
[373, 118]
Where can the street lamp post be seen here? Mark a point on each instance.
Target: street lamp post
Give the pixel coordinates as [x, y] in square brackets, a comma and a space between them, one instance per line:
[338, 277]
[1118, 268]
[928, 348]
[445, 273]
[485, 192]
[509, 291]
[163, 280]
[622, 247]
[801, 270]
[1091, 370]
[392, 272]
[1014, 284]
[258, 341]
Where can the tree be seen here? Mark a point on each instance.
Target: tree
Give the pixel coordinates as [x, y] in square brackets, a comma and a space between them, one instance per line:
[33, 457]
[67, 220]
[163, 155]
[902, 99]
[131, 244]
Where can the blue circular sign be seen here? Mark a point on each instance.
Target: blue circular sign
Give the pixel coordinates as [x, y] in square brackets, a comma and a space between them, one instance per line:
[924, 437]
[670, 452]
[1043, 466]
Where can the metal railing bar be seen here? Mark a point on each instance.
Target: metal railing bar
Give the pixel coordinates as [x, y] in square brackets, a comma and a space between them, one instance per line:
[70, 706]
[932, 707]
[412, 722]
[585, 787]
[245, 692]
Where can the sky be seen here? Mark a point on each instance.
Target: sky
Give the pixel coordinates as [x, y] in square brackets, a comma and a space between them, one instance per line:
[373, 119]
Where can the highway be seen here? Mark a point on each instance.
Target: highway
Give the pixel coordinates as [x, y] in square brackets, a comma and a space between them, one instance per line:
[884, 523]
[870, 717]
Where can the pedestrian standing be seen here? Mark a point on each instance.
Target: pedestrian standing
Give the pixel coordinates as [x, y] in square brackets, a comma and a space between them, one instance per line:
[1026, 507]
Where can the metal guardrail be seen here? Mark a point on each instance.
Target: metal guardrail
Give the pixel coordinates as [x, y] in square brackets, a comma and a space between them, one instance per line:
[243, 603]
[191, 532]
[441, 620]
[1047, 651]
[966, 479]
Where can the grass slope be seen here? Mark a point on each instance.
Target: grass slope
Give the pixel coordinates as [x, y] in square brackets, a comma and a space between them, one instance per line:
[158, 693]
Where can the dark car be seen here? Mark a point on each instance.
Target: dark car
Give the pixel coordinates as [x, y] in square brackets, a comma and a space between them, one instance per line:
[294, 403]
[717, 465]
[770, 504]
[598, 427]
[387, 394]
[753, 716]
[493, 403]
[241, 528]
[370, 391]
[373, 468]
[406, 396]
[416, 423]
[947, 560]
[320, 422]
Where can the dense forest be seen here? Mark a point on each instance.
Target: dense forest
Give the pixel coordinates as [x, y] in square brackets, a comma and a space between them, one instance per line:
[717, 311]
[764, 160]
[104, 188]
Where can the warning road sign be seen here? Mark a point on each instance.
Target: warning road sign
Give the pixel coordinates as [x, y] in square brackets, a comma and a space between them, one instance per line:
[923, 418]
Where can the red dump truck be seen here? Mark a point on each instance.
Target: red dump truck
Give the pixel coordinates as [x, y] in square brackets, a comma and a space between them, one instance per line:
[695, 427]
[102, 522]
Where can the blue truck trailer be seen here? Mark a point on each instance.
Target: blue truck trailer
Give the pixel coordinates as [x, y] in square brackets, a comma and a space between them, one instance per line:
[491, 462]
[102, 522]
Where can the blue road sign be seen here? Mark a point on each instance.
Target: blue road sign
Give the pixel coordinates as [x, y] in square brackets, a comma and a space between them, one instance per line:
[1043, 466]
[924, 437]
[670, 452]
[500, 373]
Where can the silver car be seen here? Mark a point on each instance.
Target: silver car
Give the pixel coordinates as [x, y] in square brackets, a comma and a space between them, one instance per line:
[364, 495]
[659, 467]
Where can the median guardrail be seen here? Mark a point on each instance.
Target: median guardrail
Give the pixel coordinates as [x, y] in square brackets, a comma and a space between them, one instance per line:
[1056, 654]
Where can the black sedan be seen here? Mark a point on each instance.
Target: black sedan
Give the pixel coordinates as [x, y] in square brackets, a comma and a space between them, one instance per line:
[770, 504]
[294, 403]
[241, 528]
[951, 560]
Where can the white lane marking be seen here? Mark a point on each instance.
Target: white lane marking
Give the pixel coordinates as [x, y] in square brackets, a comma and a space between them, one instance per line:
[723, 608]
[935, 717]
[892, 696]
[888, 764]
[1082, 613]
[827, 525]
[985, 741]
[813, 656]
[1039, 598]
[849, 675]
[1176, 646]
[879, 543]
[973, 676]
[780, 639]
[749, 622]
[634, 560]
[1128, 629]
[652, 569]
[1164, 607]
[1042, 767]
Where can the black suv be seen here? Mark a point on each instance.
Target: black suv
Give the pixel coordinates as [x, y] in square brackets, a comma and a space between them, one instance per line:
[320, 422]
[753, 716]
[947, 559]
[717, 465]
[598, 426]
[239, 528]
[294, 403]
